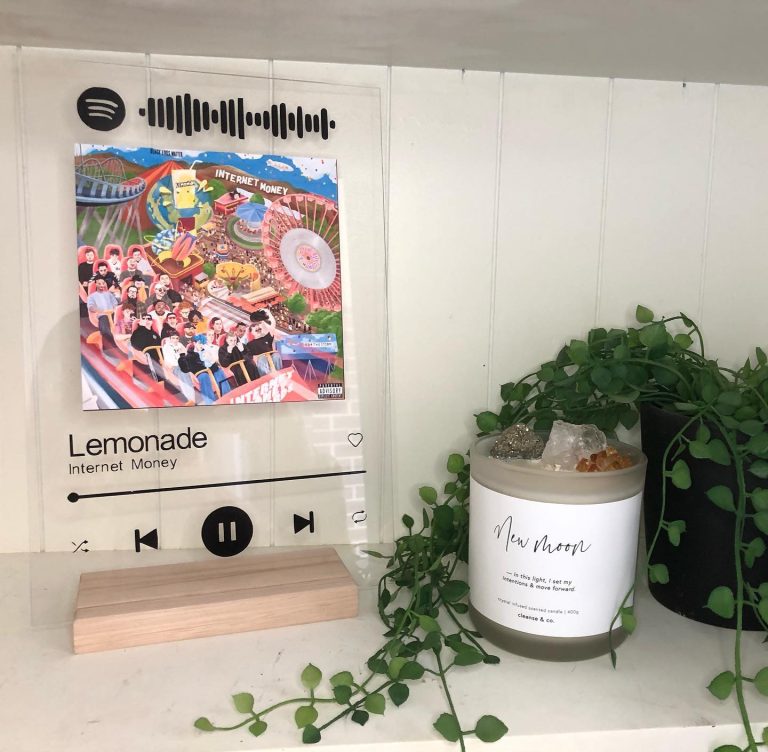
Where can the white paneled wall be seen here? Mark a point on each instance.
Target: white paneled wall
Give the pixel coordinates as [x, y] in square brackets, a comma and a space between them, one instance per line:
[656, 197]
[520, 211]
[442, 206]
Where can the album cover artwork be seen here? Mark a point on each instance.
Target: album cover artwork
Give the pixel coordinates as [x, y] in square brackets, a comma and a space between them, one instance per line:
[207, 278]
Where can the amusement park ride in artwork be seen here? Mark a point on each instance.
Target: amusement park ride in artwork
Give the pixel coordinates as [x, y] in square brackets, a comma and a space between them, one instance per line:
[238, 239]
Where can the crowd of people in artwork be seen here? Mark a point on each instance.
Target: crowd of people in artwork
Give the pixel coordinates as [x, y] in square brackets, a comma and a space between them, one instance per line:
[139, 312]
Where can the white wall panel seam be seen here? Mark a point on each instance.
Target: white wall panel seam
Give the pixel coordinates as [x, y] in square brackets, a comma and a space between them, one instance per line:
[491, 389]
[708, 208]
[388, 475]
[273, 431]
[35, 488]
[604, 203]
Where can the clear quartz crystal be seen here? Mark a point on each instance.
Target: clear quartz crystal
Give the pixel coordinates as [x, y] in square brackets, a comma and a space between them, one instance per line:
[569, 443]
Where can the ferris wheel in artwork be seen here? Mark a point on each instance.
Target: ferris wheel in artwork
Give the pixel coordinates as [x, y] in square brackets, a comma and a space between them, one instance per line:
[301, 246]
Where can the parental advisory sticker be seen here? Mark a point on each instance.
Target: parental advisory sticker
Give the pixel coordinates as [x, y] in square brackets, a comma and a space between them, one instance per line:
[330, 391]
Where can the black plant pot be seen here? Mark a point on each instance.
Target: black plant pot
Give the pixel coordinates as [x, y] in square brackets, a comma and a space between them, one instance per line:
[705, 557]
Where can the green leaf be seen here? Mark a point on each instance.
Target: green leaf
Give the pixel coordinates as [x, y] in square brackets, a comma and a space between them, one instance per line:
[490, 729]
[699, 450]
[751, 427]
[761, 522]
[621, 352]
[375, 703]
[375, 554]
[546, 373]
[727, 748]
[243, 702]
[674, 530]
[653, 336]
[257, 728]
[395, 666]
[204, 724]
[394, 648]
[759, 498]
[761, 681]
[468, 657]
[754, 550]
[448, 727]
[722, 685]
[455, 464]
[658, 573]
[762, 609]
[759, 469]
[408, 521]
[722, 496]
[377, 665]
[428, 494]
[311, 676]
[758, 444]
[683, 341]
[644, 315]
[703, 434]
[487, 421]
[398, 693]
[310, 735]
[411, 671]
[442, 517]
[428, 624]
[628, 619]
[578, 352]
[342, 694]
[601, 378]
[305, 715]
[360, 716]
[454, 590]
[722, 602]
[731, 398]
[681, 475]
[432, 641]
[719, 453]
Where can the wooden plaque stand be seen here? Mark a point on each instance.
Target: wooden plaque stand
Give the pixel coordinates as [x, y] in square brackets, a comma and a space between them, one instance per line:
[128, 607]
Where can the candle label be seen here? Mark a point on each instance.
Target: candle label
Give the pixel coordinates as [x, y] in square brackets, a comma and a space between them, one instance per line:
[557, 570]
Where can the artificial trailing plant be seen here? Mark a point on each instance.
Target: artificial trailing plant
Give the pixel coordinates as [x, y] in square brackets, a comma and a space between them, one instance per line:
[603, 380]
[421, 601]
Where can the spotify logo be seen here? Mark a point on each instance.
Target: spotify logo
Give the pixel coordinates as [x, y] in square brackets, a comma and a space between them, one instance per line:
[100, 108]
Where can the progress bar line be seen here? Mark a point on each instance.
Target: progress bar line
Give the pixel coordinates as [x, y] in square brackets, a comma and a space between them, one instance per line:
[74, 496]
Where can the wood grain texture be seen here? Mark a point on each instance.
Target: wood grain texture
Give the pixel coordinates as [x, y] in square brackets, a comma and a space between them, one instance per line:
[146, 605]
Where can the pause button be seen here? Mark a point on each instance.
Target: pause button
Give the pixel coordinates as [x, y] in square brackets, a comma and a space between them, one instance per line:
[227, 531]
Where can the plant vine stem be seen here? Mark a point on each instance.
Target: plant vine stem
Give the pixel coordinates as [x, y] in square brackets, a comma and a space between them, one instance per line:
[756, 611]
[664, 461]
[449, 699]
[292, 701]
[237, 726]
[737, 537]
[618, 616]
[464, 630]
[353, 706]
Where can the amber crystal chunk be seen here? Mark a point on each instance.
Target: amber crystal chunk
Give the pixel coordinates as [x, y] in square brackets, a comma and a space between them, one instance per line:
[609, 459]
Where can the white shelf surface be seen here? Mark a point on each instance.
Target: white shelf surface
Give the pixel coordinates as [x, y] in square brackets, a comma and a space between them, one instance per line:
[147, 698]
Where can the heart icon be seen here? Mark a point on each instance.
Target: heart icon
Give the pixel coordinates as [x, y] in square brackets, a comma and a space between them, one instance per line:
[355, 439]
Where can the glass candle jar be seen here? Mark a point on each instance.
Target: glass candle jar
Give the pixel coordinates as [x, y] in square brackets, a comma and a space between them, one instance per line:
[552, 553]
